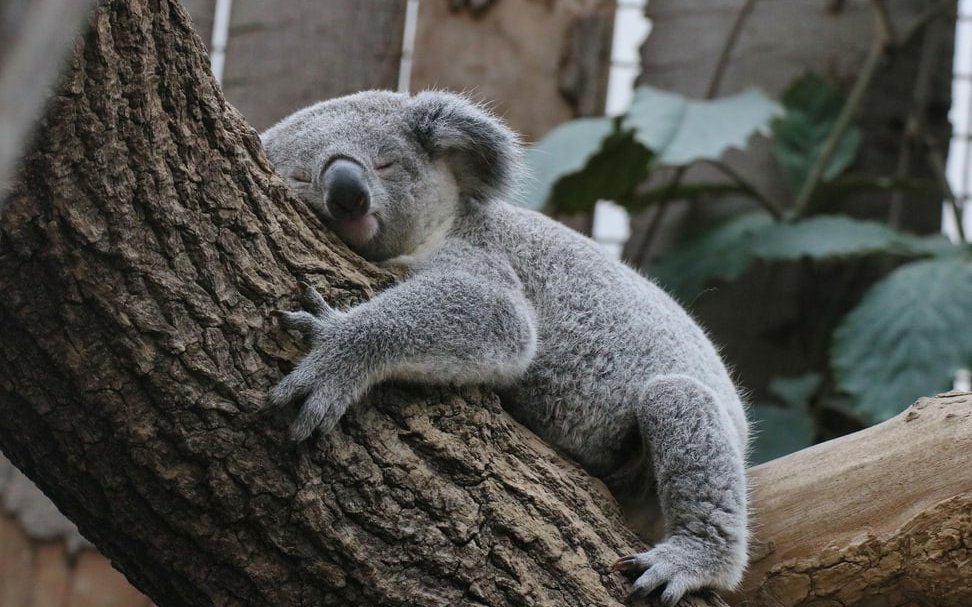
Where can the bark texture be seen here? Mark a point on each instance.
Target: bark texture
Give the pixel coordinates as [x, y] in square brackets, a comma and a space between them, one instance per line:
[879, 518]
[140, 261]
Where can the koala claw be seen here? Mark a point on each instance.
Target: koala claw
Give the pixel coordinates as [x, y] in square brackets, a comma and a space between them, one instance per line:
[667, 567]
[320, 408]
[627, 566]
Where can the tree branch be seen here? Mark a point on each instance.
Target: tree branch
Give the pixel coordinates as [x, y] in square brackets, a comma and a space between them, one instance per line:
[883, 512]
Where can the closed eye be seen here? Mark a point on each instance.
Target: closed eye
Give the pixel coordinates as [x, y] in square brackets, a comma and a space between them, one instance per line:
[385, 165]
[300, 176]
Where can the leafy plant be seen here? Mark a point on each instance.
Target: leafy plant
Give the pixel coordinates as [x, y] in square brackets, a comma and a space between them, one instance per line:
[799, 135]
[908, 334]
[907, 337]
[590, 159]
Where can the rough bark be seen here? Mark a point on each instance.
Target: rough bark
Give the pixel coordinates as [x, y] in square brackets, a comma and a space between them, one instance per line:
[879, 518]
[140, 261]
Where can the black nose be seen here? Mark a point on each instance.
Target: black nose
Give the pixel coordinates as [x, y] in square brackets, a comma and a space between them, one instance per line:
[346, 189]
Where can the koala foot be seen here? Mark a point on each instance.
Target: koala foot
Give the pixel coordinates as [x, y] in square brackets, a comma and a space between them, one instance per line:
[316, 380]
[672, 569]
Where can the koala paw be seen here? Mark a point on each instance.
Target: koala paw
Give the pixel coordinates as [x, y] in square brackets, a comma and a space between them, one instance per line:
[315, 381]
[675, 569]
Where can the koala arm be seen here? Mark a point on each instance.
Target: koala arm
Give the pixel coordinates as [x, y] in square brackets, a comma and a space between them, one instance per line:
[446, 327]
[701, 482]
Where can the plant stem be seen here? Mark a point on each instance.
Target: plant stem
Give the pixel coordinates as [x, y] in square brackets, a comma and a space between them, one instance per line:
[767, 203]
[915, 123]
[931, 13]
[885, 26]
[884, 39]
[938, 165]
[644, 248]
[722, 64]
[864, 78]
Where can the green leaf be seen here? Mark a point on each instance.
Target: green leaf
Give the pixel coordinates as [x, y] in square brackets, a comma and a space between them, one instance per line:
[724, 251]
[680, 130]
[778, 431]
[727, 250]
[835, 236]
[907, 337]
[565, 150]
[812, 106]
[612, 173]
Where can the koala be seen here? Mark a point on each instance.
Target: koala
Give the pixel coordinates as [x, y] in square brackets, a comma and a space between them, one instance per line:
[582, 349]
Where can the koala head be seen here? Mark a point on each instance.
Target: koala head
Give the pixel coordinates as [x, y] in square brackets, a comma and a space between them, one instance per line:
[388, 172]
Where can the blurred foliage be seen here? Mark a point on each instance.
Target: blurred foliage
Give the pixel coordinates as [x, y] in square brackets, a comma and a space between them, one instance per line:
[904, 339]
[787, 425]
[812, 107]
[591, 159]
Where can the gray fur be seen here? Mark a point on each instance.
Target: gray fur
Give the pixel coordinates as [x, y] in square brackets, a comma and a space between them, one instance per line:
[582, 349]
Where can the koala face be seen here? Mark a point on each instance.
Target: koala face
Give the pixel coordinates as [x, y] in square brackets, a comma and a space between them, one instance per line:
[388, 172]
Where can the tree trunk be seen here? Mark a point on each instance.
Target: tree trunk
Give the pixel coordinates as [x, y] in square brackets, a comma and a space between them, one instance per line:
[141, 259]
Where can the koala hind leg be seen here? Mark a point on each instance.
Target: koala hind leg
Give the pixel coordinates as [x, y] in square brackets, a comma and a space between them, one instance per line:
[699, 470]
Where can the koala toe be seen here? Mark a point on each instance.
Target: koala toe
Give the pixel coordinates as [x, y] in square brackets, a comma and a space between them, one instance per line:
[308, 419]
[314, 302]
[319, 411]
[673, 569]
[649, 581]
[292, 387]
[305, 323]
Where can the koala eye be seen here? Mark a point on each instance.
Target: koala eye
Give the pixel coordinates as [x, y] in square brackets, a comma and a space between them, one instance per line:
[300, 176]
[385, 165]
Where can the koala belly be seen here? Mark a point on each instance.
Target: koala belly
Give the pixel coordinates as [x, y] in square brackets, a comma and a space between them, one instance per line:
[574, 412]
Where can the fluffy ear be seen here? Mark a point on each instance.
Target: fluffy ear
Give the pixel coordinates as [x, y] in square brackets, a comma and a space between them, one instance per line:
[483, 153]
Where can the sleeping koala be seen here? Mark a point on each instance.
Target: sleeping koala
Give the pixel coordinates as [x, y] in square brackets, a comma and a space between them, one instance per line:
[581, 348]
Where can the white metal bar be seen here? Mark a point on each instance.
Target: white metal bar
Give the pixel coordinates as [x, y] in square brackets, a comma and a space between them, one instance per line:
[408, 46]
[220, 40]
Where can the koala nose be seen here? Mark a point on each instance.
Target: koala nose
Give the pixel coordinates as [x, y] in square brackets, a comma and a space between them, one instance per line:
[346, 189]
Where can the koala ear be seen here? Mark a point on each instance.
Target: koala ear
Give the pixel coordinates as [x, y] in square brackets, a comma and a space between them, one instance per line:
[482, 153]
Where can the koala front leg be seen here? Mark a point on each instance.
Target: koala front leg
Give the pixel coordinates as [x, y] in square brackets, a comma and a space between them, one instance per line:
[699, 469]
[443, 328]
